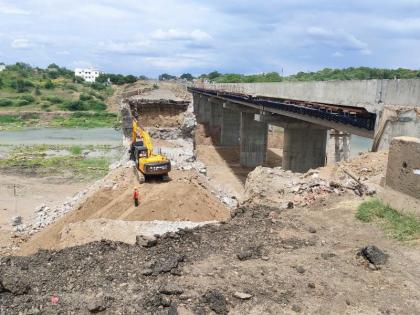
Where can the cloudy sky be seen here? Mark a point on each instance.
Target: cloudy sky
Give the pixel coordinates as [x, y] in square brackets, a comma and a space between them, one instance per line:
[154, 36]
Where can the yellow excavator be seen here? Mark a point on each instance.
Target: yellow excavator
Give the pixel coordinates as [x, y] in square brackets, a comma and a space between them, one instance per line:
[147, 162]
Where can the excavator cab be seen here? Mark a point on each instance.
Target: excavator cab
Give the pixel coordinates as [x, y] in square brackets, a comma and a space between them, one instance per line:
[147, 162]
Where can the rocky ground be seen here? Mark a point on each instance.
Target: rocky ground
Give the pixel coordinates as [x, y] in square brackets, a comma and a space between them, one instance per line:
[296, 261]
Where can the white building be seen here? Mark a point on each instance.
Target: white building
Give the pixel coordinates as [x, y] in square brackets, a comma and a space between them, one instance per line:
[89, 75]
[2, 67]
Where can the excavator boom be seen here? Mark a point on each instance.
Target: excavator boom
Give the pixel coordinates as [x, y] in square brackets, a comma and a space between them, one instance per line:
[147, 162]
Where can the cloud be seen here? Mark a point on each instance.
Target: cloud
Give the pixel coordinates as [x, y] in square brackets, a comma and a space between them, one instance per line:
[20, 43]
[151, 36]
[137, 47]
[7, 8]
[337, 39]
[177, 35]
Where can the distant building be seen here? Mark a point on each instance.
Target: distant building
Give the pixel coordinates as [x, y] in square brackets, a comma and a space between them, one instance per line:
[2, 67]
[89, 74]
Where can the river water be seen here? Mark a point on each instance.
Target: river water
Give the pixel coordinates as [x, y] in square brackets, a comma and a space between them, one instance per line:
[63, 136]
[359, 144]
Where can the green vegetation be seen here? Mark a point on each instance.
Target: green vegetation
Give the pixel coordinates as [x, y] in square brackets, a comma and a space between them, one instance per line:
[76, 149]
[35, 160]
[87, 120]
[187, 76]
[119, 79]
[24, 88]
[13, 122]
[400, 226]
[361, 73]
[165, 76]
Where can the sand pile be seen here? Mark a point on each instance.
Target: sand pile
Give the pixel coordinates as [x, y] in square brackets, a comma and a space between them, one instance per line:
[184, 198]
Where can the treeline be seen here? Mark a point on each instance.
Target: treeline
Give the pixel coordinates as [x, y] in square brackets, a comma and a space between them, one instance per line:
[327, 74]
[361, 73]
[119, 79]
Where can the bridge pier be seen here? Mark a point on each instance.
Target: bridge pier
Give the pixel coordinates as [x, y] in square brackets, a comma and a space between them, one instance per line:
[205, 110]
[304, 148]
[230, 129]
[253, 144]
[341, 145]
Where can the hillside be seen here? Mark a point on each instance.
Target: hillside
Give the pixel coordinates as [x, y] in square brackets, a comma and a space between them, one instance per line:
[30, 97]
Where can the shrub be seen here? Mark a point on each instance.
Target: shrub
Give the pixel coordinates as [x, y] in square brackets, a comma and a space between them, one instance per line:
[74, 105]
[22, 103]
[49, 84]
[96, 105]
[85, 97]
[21, 85]
[98, 86]
[45, 106]
[5, 102]
[37, 91]
[54, 99]
[71, 87]
[28, 98]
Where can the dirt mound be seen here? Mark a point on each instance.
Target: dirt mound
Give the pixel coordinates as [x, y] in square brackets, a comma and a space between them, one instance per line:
[314, 270]
[181, 199]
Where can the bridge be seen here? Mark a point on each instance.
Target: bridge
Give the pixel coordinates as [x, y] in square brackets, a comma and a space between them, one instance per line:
[239, 115]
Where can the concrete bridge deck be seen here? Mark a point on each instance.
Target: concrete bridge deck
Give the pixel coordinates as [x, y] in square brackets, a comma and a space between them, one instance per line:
[241, 113]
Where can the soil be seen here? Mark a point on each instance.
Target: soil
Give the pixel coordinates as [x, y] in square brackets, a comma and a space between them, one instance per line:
[183, 198]
[305, 262]
[30, 193]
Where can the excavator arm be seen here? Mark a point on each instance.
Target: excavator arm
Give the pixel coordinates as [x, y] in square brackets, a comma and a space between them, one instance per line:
[139, 132]
[147, 162]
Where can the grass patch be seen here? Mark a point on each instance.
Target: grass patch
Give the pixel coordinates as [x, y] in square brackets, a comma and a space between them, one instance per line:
[33, 160]
[76, 149]
[15, 122]
[87, 120]
[403, 227]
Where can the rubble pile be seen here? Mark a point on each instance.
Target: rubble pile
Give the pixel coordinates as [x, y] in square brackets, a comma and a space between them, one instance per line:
[46, 215]
[277, 187]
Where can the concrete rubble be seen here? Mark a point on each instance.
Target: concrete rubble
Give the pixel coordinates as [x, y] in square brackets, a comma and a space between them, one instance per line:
[277, 187]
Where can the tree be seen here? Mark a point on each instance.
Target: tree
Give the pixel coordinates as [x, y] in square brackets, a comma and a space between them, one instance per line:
[130, 79]
[187, 76]
[213, 75]
[165, 77]
[21, 85]
[143, 77]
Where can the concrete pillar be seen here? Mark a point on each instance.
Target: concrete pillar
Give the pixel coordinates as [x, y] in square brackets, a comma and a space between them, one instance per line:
[341, 145]
[216, 113]
[205, 110]
[231, 127]
[253, 137]
[200, 109]
[304, 148]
